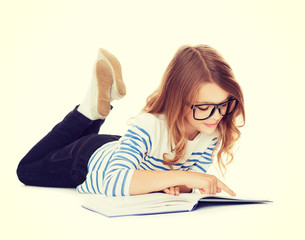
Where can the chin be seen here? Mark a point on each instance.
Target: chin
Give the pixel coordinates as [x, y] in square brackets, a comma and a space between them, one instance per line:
[208, 131]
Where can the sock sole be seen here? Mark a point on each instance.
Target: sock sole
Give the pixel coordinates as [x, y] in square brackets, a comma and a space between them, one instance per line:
[121, 88]
[104, 81]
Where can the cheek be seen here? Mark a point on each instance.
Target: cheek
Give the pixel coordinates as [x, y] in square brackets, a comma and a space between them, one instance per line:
[189, 115]
[195, 124]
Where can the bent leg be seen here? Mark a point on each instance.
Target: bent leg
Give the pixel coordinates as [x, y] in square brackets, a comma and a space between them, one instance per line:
[52, 159]
[64, 136]
[71, 128]
[66, 167]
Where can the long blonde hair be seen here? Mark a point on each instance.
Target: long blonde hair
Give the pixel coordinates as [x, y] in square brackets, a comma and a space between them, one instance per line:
[190, 68]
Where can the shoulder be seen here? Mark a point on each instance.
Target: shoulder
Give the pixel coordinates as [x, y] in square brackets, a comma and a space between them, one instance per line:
[149, 117]
[149, 121]
[151, 124]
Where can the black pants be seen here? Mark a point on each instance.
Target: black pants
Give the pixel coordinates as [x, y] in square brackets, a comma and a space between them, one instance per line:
[60, 159]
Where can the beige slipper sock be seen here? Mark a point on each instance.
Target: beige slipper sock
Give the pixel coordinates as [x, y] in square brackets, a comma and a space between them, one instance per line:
[96, 104]
[118, 88]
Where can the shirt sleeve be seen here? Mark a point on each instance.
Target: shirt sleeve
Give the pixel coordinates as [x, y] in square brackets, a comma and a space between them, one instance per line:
[125, 160]
[204, 161]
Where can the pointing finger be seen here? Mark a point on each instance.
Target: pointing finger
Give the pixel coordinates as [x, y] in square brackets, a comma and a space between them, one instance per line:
[224, 187]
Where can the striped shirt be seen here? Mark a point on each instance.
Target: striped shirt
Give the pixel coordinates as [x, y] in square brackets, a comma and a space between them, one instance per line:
[111, 167]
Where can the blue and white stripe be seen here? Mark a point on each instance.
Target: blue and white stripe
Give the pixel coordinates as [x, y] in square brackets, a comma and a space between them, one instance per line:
[111, 167]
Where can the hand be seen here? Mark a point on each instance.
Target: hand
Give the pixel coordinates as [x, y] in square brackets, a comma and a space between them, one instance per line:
[176, 190]
[207, 184]
[172, 191]
[217, 191]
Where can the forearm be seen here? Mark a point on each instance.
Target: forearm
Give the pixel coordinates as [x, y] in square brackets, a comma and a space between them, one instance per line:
[184, 189]
[145, 181]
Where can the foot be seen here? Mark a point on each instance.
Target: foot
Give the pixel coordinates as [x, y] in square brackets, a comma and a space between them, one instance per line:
[118, 89]
[104, 78]
[106, 85]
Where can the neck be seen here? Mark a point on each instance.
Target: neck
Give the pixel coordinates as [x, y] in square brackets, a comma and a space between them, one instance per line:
[191, 132]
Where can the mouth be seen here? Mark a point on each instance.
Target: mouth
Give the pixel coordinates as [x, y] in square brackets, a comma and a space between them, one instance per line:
[211, 125]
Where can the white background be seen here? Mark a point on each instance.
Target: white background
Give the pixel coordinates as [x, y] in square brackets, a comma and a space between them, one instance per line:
[47, 52]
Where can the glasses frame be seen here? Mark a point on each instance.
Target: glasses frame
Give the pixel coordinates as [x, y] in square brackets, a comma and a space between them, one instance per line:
[216, 106]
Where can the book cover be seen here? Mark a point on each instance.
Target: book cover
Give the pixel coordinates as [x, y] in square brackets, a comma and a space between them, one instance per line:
[157, 203]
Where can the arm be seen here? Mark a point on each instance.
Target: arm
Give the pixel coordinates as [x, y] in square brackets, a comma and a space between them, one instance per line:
[200, 166]
[124, 161]
[144, 181]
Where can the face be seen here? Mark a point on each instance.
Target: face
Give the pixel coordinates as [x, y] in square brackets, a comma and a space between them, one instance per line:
[209, 93]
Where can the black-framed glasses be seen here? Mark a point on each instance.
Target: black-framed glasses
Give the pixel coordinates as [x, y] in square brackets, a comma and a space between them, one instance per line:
[205, 111]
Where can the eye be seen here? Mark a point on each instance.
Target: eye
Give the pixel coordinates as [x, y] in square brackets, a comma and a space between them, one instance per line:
[203, 108]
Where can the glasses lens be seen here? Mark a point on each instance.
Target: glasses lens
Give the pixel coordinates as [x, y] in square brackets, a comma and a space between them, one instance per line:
[202, 112]
[228, 107]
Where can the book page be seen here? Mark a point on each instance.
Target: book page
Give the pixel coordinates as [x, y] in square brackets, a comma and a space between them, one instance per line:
[139, 204]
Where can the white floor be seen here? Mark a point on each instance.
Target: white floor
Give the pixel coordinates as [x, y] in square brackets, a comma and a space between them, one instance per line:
[47, 51]
[41, 213]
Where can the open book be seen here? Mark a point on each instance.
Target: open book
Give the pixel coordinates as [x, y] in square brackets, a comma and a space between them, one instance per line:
[155, 203]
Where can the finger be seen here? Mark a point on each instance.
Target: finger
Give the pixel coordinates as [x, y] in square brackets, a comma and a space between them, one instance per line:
[218, 190]
[213, 184]
[166, 191]
[172, 190]
[177, 191]
[224, 187]
[214, 189]
[211, 187]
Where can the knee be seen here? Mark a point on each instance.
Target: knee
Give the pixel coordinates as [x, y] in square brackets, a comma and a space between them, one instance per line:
[21, 177]
[21, 173]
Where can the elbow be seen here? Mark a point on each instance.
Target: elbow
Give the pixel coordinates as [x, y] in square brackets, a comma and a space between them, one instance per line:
[117, 183]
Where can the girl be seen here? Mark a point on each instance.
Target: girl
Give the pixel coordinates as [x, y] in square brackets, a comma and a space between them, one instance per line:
[168, 148]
